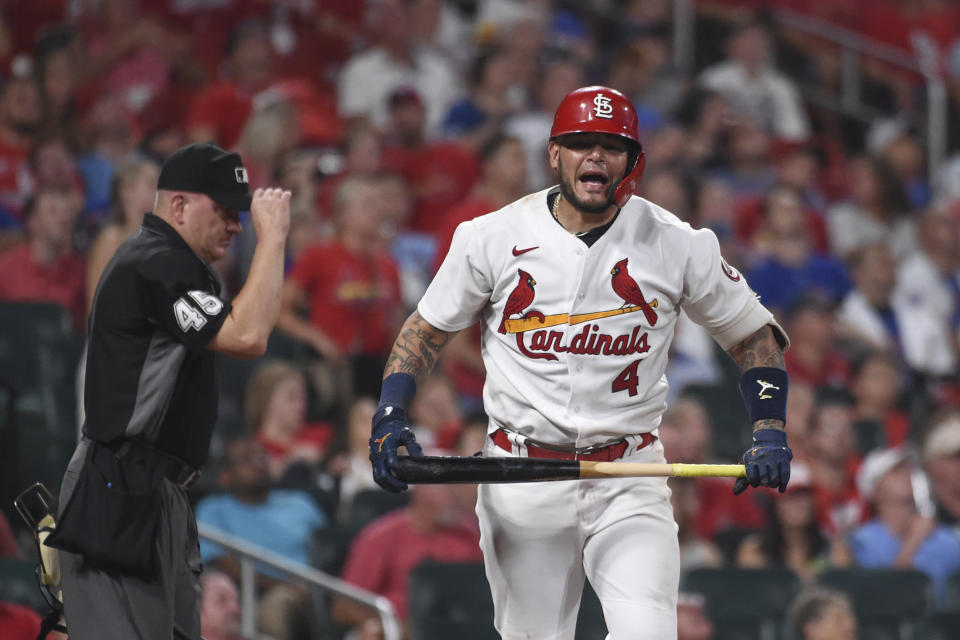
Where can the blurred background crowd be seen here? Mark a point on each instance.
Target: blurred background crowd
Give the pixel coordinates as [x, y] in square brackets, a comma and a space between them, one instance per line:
[818, 139]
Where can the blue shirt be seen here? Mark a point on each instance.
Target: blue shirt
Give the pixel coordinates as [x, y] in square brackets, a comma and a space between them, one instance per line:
[874, 546]
[283, 524]
[779, 285]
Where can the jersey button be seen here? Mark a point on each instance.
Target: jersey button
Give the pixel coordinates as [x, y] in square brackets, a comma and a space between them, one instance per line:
[576, 409]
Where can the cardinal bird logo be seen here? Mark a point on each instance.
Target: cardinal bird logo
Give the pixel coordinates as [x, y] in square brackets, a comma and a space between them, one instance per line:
[519, 299]
[627, 288]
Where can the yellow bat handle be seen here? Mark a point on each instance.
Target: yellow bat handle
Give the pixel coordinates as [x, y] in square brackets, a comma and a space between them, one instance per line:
[681, 470]
[653, 469]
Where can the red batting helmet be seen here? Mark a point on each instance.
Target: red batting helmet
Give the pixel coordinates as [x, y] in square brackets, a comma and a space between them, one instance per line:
[604, 110]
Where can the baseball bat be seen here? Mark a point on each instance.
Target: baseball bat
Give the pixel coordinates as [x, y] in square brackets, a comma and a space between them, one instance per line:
[474, 469]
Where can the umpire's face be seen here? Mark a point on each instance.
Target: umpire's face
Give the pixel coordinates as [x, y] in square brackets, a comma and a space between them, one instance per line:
[208, 227]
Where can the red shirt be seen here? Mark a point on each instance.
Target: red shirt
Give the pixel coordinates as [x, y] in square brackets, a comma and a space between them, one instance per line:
[16, 182]
[720, 509]
[62, 282]
[839, 509]
[387, 550]
[440, 174]
[18, 622]
[207, 24]
[314, 435]
[353, 298]
[834, 371]
[223, 107]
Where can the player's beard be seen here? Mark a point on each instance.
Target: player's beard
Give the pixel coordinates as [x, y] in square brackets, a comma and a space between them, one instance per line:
[567, 191]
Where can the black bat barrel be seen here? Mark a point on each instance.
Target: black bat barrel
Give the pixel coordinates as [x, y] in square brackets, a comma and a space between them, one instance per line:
[474, 469]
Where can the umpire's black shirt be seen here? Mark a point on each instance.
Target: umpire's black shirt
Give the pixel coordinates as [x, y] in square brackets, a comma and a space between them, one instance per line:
[148, 372]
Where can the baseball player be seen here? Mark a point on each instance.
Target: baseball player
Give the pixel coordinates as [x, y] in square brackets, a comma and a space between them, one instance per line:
[577, 290]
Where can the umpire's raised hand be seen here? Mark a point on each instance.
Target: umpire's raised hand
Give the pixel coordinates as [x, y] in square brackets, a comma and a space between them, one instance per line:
[270, 211]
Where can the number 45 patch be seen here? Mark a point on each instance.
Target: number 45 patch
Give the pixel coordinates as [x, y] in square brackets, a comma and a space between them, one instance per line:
[187, 315]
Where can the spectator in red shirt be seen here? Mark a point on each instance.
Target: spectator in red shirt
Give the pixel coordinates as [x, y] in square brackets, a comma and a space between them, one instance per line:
[440, 173]
[45, 268]
[20, 114]
[434, 526]
[813, 357]
[351, 288]
[876, 388]
[130, 54]
[220, 111]
[834, 462]
[275, 407]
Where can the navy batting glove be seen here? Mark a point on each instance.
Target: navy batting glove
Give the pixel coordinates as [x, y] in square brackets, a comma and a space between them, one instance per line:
[767, 462]
[390, 430]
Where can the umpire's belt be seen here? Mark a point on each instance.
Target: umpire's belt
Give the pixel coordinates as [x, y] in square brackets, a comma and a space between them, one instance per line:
[158, 463]
[600, 453]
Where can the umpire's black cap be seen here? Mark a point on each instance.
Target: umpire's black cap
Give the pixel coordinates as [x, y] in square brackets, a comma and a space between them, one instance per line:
[205, 168]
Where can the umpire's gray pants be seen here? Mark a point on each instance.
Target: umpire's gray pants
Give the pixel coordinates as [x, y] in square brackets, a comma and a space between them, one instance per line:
[100, 605]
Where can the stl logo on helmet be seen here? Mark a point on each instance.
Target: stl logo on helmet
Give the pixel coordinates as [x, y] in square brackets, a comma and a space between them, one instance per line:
[602, 107]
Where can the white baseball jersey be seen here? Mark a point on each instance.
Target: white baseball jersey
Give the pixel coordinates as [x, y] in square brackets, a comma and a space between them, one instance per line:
[575, 338]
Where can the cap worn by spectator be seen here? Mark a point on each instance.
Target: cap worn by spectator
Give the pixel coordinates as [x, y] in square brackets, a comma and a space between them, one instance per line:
[801, 479]
[943, 441]
[404, 95]
[205, 168]
[875, 466]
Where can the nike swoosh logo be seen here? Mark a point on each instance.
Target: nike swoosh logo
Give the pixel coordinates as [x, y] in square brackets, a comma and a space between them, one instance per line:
[520, 252]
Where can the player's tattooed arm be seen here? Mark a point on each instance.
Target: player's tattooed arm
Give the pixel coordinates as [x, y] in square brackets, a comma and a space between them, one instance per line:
[759, 349]
[417, 348]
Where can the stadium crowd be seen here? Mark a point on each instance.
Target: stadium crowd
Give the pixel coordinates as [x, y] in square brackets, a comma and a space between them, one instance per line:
[392, 121]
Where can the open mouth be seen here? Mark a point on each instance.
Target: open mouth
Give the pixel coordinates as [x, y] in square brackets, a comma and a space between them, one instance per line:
[594, 180]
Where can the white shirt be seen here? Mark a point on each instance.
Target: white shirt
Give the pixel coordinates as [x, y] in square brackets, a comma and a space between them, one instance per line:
[368, 79]
[585, 380]
[770, 98]
[921, 289]
[920, 336]
[850, 228]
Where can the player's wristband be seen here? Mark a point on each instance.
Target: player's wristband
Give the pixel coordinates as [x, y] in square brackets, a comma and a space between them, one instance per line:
[764, 391]
[770, 438]
[397, 390]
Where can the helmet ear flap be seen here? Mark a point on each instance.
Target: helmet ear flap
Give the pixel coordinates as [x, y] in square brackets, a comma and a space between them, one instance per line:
[630, 184]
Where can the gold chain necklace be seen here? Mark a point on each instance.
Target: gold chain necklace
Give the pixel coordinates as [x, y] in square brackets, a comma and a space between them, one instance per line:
[556, 207]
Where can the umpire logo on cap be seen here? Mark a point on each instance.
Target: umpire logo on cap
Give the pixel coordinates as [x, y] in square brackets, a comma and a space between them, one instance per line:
[205, 168]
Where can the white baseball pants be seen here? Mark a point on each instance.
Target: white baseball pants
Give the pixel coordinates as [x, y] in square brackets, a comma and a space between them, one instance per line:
[541, 539]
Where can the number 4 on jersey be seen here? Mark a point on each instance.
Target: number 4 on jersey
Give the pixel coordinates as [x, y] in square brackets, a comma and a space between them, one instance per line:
[187, 315]
[627, 380]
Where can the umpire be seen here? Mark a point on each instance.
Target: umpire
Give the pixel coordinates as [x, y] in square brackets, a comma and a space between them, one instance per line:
[130, 561]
